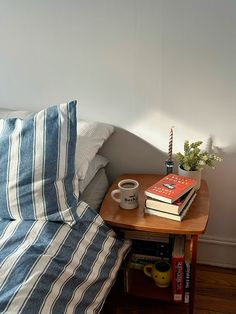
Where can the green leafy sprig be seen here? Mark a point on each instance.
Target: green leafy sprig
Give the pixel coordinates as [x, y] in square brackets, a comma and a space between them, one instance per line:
[194, 158]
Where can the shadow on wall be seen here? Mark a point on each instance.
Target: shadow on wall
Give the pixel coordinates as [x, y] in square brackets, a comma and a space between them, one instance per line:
[129, 153]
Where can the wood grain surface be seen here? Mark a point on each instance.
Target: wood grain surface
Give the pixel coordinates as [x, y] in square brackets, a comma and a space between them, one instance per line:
[194, 222]
[215, 293]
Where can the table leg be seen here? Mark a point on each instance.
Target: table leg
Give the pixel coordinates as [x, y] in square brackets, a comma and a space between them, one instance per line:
[194, 239]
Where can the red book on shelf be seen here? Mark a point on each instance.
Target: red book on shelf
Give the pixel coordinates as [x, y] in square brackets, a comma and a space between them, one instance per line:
[178, 270]
[170, 188]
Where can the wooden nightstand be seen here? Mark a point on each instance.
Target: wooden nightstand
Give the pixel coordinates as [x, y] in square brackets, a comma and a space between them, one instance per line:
[194, 224]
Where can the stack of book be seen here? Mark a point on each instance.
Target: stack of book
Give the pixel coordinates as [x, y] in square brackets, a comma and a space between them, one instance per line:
[170, 197]
[148, 248]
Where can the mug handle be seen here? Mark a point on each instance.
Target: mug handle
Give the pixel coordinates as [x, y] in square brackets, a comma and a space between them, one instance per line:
[113, 195]
[147, 270]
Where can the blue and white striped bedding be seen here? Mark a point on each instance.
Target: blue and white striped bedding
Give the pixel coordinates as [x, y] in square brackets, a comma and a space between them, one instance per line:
[56, 253]
[51, 267]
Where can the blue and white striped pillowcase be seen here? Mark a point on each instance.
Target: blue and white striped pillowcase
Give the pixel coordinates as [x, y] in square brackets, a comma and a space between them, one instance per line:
[37, 165]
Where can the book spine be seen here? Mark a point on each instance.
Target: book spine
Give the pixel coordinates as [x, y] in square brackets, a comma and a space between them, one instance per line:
[158, 249]
[172, 210]
[148, 258]
[162, 214]
[137, 261]
[187, 282]
[178, 278]
[188, 260]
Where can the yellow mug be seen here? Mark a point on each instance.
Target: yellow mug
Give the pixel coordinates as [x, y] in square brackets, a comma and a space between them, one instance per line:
[160, 272]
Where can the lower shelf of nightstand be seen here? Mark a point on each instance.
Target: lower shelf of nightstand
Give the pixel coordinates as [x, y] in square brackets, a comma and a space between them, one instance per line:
[138, 284]
[121, 302]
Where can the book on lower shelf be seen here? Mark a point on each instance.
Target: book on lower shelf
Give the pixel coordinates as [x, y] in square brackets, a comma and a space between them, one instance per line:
[170, 188]
[177, 263]
[145, 252]
[176, 217]
[187, 268]
[138, 261]
[174, 208]
[159, 249]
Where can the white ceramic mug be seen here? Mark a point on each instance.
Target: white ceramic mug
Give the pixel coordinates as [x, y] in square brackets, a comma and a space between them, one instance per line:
[128, 191]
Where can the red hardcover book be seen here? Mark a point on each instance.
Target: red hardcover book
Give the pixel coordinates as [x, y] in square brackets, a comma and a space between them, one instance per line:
[178, 268]
[170, 188]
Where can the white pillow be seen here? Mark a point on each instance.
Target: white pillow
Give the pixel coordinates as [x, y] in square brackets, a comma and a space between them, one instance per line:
[7, 113]
[97, 163]
[91, 136]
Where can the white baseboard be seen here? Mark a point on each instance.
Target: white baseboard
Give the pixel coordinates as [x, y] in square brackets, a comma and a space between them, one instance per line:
[217, 251]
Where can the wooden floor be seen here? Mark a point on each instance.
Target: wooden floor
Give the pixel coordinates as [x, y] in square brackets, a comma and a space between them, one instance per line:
[215, 294]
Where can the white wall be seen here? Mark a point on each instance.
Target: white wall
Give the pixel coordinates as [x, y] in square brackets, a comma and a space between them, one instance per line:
[140, 65]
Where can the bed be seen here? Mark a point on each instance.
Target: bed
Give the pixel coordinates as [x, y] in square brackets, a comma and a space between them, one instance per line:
[56, 253]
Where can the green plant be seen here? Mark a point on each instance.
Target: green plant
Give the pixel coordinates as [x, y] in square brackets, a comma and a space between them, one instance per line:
[194, 158]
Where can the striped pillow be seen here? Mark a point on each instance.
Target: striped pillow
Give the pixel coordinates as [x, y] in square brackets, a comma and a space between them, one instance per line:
[37, 165]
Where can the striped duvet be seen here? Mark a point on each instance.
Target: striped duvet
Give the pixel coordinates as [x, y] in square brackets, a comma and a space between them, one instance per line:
[56, 254]
[55, 267]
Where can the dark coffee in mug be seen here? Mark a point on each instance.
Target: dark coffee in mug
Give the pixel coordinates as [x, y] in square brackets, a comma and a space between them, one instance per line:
[128, 185]
[162, 266]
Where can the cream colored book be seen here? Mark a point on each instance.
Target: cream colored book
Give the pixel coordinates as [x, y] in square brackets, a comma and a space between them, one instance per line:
[174, 208]
[176, 217]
